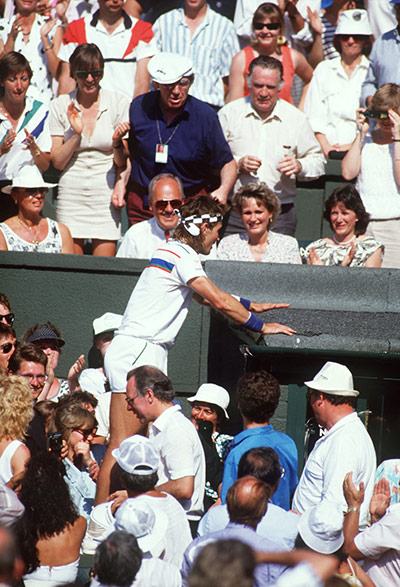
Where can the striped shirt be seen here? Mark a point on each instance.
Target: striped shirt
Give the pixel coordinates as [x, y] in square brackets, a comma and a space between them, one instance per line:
[211, 49]
[328, 32]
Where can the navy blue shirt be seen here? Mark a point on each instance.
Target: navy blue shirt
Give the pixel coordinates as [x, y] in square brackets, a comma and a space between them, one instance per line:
[197, 147]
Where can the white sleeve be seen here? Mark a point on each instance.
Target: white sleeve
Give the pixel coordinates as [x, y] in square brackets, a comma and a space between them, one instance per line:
[382, 536]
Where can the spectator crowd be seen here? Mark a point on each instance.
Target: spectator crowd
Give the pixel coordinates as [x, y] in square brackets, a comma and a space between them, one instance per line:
[196, 120]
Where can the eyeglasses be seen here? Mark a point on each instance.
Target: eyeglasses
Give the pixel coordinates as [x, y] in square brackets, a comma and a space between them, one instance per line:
[131, 400]
[9, 318]
[162, 205]
[86, 433]
[354, 37]
[95, 73]
[32, 192]
[271, 26]
[6, 347]
[39, 378]
[183, 83]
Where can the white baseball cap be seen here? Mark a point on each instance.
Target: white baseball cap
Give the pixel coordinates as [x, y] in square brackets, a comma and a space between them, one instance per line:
[137, 454]
[212, 394]
[106, 323]
[169, 68]
[334, 379]
[148, 525]
[353, 22]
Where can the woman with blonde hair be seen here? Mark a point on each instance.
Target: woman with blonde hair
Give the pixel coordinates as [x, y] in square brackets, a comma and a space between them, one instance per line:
[16, 411]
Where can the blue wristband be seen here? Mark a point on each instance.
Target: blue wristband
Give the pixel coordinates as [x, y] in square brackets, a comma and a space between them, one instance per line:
[254, 323]
[245, 303]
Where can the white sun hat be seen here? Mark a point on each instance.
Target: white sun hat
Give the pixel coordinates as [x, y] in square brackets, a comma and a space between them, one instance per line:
[108, 322]
[353, 22]
[334, 379]
[169, 68]
[212, 394]
[28, 176]
[321, 527]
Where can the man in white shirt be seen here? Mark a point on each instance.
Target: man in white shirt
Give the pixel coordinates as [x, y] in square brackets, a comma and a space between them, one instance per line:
[271, 140]
[345, 446]
[142, 239]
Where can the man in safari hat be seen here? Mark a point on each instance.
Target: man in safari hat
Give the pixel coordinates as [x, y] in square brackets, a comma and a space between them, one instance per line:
[345, 446]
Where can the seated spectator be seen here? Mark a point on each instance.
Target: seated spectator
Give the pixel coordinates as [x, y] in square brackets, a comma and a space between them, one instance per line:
[11, 564]
[223, 563]
[378, 545]
[374, 159]
[6, 316]
[24, 135]
[277, 524]
[208, 414]
[349, 246]
[28, 230]
[258, 397]
[258, 207]
[119, 562]
[247, 501]
[137, 465]
[16, 411]
[50, 531]
[78, 427]
[268, 33]
[321, 530]
[82, 124]
[8, 340]
[335, 89]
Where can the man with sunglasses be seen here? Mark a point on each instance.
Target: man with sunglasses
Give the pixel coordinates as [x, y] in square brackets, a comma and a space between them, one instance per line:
[142, 239]
[6, 316]
[7, 345]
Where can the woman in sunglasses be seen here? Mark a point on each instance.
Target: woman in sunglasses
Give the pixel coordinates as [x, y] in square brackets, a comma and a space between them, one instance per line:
[7, 346]
[29, 230]
[82, 126]
[78, 427]
[268, 40]
[335, 89]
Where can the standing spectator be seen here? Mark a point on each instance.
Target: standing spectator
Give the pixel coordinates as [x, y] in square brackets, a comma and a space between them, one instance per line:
[172, 132]
[125, 42]
[346, 446]
[271, 141]
[208, 39]
[258, 397]
[82, 125]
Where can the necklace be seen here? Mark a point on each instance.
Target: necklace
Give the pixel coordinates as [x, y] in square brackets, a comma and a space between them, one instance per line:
[344, 243]
[34, 240]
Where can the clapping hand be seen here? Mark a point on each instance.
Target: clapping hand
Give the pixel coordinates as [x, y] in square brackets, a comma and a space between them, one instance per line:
[380, 500]
[353, 496]
[75, 119]
[8, 142]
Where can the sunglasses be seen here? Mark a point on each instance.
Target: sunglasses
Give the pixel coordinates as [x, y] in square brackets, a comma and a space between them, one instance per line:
[271, 26]
[32, 192]
[86, 433]
[9, 318]
[354, 37]
[162, 205]
[6, 348]
[95, 73]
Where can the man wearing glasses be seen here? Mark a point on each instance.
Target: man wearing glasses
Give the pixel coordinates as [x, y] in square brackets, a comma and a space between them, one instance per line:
[7, 345]
[30, 362]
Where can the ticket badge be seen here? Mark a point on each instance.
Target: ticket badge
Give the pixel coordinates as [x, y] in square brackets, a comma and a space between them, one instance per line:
[161, 153]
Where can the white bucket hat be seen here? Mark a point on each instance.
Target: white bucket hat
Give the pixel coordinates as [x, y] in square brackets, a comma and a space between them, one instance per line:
[169, 68]
[28, 176]
[101, 525]
[108, 322]
[137, 454]
[149, 526]
[321, 527]
[353, 22]
[334, 379]
[212, 394]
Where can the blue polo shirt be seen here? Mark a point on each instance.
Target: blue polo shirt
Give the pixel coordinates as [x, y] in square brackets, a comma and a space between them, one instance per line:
[196, 143]
[281, 443]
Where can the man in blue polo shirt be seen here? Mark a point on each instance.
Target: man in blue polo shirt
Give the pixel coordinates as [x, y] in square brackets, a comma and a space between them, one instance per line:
[258, 397]
[172, 132]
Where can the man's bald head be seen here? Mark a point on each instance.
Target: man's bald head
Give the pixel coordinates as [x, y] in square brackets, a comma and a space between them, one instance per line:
[247, 501]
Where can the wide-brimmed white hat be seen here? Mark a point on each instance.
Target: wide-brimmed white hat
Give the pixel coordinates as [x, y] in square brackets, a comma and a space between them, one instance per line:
[168, 68]
[108, 322]
[137, 455]
[334, 379]
[101, 524]
[212, 394]
[353, 22]
[149, 526]
[321, 527]
[28, 176]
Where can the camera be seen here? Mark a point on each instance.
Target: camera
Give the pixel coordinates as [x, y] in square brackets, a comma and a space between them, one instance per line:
[379, 114]
[54, 443]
